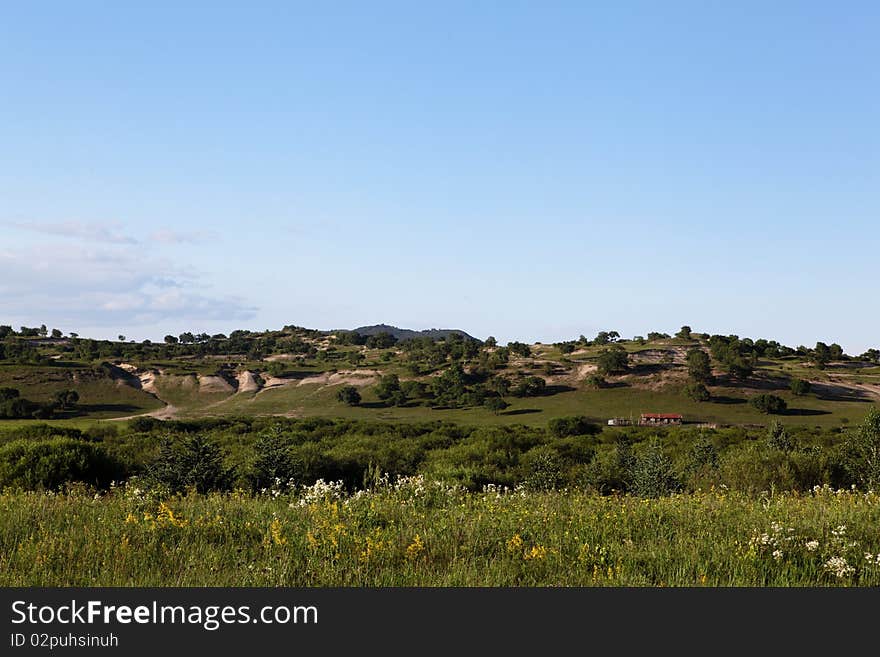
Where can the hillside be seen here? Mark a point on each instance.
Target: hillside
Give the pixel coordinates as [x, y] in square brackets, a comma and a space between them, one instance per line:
[409, 334]
[298, 372]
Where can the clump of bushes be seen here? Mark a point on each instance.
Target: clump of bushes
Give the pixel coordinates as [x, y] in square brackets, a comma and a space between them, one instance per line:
[50, 463]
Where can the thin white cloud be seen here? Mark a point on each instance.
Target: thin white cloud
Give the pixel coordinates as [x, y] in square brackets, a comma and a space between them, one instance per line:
[177, 237]
[107, 233]
[106, 285]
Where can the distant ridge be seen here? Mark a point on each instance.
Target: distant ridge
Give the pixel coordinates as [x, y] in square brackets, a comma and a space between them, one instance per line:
[409, 334]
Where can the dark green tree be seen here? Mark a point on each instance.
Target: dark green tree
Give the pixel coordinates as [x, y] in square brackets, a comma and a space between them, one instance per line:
[769, 403]
[613, 361]
[699, 366]
[348, 395]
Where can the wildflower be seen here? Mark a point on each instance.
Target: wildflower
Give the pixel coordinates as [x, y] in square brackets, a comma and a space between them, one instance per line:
[416, 548]
[515, 543]
[275, 535]
[839, 567]
[812, 546]
[777, 554]
[537, 552]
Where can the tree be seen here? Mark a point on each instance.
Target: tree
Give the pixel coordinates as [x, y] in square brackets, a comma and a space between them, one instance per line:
[121, 337]
[562, 427]
[861, 450]
[613, 361]
[654, 474]
[778, 438]
[387, 386]
[6, 331]
[56, 333]
[383, 340]
[800, 387]
[520, 349]
[530, 386]
[872, 356]
[187, 338]
[43, 330]
[684, 333]
[697, 391]
[67, 399]
[821, 354]
[606, 337]
[496, 404]
[699, 366]
[196, 463]
[8, 393]
[170, 339]
[348, 395]
[769, 403]
[595, 381]
[491, 341]
[272, 462]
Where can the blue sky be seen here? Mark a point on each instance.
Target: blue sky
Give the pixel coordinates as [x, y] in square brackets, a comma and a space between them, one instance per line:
[528, 170]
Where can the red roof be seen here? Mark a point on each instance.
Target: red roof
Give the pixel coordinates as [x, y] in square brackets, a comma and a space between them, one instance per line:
[662, 416]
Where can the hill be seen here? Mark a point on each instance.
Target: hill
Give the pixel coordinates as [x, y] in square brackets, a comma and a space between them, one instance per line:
[300, 372]
[409, 334]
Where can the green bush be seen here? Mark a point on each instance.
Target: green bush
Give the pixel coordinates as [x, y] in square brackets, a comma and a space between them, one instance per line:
[561, 427]
[51, 463]
[769, 403]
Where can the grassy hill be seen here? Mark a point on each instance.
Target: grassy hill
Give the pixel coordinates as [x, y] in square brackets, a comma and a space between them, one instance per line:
[298, 372]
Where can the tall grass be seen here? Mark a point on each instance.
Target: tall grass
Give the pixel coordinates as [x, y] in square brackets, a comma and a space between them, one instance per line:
[419, 533]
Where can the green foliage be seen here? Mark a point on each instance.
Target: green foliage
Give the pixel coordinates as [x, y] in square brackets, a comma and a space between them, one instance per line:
[53, 462]
[699, 367]
[778, 438]
[273, 462]
[697, 391]
[800, 387]
[543, 468]
[653, 474]
[348, 395]
[383, 340]
[769, 403]
[520, 349]
[613, 361]
[67, 399]
[861, 450]
[562, 427]
[192, 463]
[530, 386]
[595, 381]
[496, 404]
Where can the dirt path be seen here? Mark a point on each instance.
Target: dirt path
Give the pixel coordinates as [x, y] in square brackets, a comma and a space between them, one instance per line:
[168, 412]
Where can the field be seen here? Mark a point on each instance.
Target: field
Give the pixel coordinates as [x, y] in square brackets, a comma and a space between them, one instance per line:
[418, 533]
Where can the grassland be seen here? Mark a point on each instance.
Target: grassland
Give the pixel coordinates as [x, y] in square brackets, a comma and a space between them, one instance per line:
[654, 383]
[418, 533]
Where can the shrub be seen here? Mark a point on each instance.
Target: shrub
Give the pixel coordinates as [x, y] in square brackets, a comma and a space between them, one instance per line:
[769, 403]
[653, 474]
[561, 427]
[861, 449]
[348, 395]
[48, 464]
[195, 463]
[543, 469]
[496, 404]
[800, 387]
[697, 391]
[272, 460]
[613, 361]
